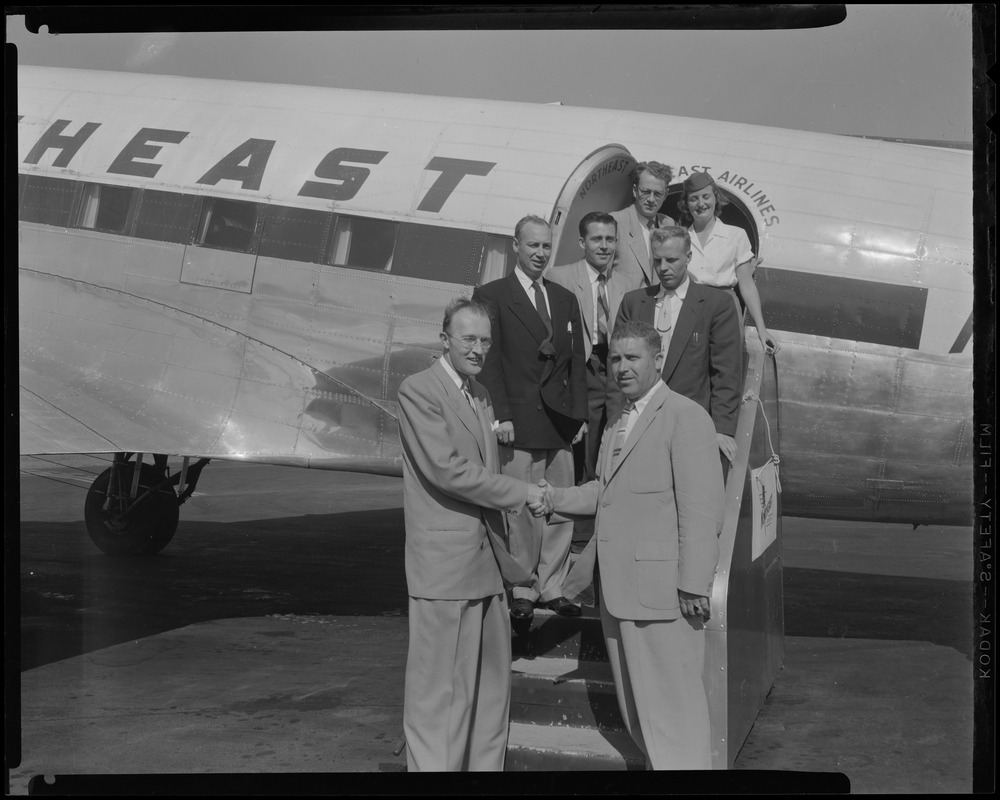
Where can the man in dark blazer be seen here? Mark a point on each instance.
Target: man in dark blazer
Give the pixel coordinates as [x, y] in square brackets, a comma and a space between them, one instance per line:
[701, 332]
[635, 223]
[456, 698]
[535, 372]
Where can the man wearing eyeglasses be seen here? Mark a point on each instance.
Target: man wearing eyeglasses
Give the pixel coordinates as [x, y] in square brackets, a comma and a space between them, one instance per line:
[649, 190]
[457, 685]
[536, 374]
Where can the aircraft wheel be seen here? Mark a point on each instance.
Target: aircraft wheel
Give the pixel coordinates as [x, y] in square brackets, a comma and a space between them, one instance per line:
[151, 526]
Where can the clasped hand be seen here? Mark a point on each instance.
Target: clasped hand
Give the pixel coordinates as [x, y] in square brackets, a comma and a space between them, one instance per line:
[540, 499]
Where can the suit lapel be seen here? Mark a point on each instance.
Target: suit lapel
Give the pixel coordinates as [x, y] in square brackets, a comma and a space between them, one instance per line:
[524, 309]
[691, 310]
[585, 297]
[491, 458]
[638, 431]
[466, 415]
[639, 248]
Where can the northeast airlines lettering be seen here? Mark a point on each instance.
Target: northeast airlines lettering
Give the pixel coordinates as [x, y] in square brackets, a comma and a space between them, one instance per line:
[340, 177]
[737, 182]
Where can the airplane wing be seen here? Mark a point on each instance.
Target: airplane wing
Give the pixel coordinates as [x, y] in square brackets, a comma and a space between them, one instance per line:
[102, 370]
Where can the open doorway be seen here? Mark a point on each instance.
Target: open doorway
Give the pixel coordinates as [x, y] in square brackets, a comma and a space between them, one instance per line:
[733, 213]
[602, 182]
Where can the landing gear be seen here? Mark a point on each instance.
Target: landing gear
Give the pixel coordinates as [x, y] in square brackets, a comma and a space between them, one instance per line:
[129, 517]
[127, 520]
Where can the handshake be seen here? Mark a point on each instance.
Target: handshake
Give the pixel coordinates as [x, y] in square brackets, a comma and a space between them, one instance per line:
[540, 499]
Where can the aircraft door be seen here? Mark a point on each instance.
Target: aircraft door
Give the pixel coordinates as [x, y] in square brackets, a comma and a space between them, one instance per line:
[602, 182]
[733, 213]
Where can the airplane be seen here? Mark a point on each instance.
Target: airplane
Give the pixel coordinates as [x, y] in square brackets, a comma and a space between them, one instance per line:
[218, 269]
[214, 269]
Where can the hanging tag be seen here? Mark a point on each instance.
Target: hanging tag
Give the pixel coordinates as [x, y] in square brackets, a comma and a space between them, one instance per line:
[765, 486]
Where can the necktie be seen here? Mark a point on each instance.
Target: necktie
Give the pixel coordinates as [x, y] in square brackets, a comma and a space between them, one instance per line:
[622, 433]
[664, 320]
[468, 394]
[652, 223]
[543, 312]
[602, 309]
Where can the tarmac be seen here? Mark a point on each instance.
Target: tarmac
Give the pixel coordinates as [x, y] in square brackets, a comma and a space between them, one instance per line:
[875, 695]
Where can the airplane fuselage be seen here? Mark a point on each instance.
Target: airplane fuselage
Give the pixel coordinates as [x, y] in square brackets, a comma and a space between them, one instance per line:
[249, 271]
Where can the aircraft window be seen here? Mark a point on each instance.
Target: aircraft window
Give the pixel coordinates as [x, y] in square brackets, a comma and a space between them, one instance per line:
[498, 257]
[105, 208]
[48, 201]
[436, 253]
[165, 216]
[227, 224]
[363, 243]
[298, 234]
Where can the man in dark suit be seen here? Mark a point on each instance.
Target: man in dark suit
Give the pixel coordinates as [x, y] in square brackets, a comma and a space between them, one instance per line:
[457, 686]
[701, 332]
[635, 223]
[535, 372]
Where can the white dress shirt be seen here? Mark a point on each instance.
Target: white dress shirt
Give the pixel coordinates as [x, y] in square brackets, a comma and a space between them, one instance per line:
[526, 282]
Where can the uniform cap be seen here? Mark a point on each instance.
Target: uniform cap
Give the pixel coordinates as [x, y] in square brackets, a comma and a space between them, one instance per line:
[697, 182]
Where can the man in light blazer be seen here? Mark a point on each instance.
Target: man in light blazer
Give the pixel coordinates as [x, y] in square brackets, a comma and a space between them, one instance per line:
[701, 332]
[649, 190]
[658, 500]
[599, 291]
[457, 684]
[535, 372]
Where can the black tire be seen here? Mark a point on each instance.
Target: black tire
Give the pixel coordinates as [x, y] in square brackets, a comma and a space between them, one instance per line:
[151, 526]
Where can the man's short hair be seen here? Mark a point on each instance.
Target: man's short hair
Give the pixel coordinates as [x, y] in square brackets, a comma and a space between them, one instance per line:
[660, 235]
[654, 168]
[637, 329]
[464, 304]
[596, 218]
[530, 218]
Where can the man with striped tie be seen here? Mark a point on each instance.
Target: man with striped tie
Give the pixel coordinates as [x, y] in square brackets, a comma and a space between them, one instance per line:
[658, 501]
[599, 291]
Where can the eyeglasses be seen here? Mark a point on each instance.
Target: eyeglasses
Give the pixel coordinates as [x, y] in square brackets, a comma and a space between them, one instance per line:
[469, 342]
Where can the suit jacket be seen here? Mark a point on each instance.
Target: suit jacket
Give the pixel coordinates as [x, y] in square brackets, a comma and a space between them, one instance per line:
[659, 510]
[576, 278]
[631, 256]
[453, 491]
[538, 383]
[705, 358]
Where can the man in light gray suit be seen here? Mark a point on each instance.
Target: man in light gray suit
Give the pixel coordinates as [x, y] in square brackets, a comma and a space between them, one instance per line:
[649, 190]
[658, 500]
[457, 687]
[599, 291]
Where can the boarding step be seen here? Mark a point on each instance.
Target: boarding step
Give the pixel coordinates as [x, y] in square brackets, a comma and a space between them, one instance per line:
[544, 747]
[564, 710]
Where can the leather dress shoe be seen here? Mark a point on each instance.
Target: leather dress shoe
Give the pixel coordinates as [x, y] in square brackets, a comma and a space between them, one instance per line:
[521, 608]
[562, 607]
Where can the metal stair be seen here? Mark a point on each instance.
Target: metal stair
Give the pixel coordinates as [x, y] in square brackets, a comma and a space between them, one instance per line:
[564, 712]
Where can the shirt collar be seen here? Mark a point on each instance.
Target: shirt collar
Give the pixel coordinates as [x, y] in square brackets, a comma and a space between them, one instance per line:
[593, 273]
[525, 281]
[452, 372]
[681, 291]
[643, 401]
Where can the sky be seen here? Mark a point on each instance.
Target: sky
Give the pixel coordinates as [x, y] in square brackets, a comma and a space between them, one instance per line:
[897, 71]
